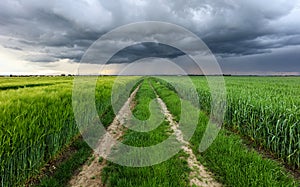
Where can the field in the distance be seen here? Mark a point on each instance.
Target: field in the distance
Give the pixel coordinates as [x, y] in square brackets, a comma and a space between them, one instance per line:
[37, 122]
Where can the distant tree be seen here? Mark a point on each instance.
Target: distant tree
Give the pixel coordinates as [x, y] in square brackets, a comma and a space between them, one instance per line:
[63, 75]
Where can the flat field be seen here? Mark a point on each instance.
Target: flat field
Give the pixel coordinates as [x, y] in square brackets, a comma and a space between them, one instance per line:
[258, 145]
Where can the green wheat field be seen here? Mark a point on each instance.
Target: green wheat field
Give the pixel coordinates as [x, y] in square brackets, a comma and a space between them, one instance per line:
[258, 145]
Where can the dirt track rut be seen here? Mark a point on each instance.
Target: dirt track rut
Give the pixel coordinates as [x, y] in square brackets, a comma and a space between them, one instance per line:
[90, 175]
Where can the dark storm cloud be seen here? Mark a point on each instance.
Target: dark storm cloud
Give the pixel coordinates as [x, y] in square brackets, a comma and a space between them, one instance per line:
[12, 47]
[284, 60]
[40, 58]
[145, 50]
[35, 26]
[257, 45]
[65, 29]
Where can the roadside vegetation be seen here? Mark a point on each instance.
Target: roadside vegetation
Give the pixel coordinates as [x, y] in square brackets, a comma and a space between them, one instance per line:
[228, 158]
[37, 123]
[265, 110]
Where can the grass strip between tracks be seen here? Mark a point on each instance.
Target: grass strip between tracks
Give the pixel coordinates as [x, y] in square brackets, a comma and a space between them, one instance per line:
[173, 172]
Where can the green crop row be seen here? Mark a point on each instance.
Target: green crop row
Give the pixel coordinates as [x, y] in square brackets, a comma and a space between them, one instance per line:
[264, 109]
[227, 157]
[7, 83]
[37, 122]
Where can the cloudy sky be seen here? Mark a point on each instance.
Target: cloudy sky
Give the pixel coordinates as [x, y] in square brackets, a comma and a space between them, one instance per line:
[247, 37]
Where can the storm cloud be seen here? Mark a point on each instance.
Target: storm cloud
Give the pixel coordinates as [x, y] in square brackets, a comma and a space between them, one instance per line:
[237, 32]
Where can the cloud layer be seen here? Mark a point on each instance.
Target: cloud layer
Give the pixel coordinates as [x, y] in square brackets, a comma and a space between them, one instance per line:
[49, 31]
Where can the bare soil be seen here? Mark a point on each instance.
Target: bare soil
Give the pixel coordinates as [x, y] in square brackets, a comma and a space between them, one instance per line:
[90, 175]
[199, 176]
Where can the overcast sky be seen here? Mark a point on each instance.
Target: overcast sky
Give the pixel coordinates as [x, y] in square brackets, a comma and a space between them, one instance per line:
[247, 37]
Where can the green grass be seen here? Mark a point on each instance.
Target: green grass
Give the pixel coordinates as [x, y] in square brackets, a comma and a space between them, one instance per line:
[237, 165]
[264, 109]
[38, 122]
[65, 170]
[232, 162]
[173, 172]
[7, 83]
[35, 124]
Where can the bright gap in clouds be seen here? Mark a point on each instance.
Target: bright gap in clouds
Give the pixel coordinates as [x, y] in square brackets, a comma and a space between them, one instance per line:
[11, 63]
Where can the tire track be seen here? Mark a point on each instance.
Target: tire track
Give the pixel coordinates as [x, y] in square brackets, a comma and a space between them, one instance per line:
[90, 175]
[198, 176]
